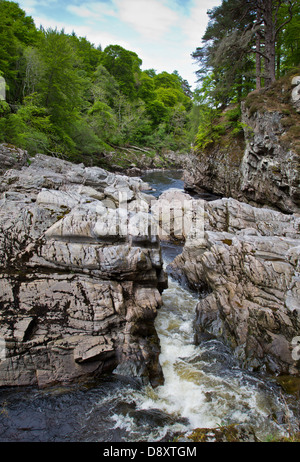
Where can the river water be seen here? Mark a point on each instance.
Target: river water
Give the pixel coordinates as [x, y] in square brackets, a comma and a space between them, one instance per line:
[204, 387]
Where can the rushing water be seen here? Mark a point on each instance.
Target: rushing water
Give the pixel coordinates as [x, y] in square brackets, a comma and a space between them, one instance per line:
[204, 387]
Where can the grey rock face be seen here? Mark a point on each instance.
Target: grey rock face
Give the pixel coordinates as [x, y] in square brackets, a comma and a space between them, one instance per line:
[296, 93]
[246, 268]
[269, 171]
[12, 157]
[264, 167]
[81, 275]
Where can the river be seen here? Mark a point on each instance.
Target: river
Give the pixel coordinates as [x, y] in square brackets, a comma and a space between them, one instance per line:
[204, 387]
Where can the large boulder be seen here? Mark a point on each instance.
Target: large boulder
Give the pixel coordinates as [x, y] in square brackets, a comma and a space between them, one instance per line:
[81, 275]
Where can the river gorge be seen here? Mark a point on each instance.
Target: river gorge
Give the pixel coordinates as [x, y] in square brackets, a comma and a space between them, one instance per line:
[205, 384]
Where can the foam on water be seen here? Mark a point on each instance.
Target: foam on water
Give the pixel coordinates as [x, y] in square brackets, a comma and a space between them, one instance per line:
[203, 384]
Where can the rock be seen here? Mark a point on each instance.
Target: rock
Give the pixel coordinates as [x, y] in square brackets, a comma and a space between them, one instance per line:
[56, 174]
[261, 166]
[296, 93]
[246, 269]
[225, 434]
[80, 283]
[269, 171]
[12, 157]
[174, 213]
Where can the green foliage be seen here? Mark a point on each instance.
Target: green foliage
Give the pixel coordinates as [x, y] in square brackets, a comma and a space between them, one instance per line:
[17, 31]
[215, 126]
[4, 108]
[67, 97]
[241, 52]
[288, 45]
[233, 121]
[60, 86]
[102, 120]
[166, 80]
[146, 87]
[124, 65]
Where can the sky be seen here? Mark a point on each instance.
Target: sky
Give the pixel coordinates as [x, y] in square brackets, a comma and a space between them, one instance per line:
[163, 33]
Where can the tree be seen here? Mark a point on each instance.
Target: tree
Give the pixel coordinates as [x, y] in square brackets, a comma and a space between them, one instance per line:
[268, 15]
[88, 57]
[104, 87]
[238, 31]
[288, 41]
[146, 87]
[67, 97]
[124, 65]
[17, 31]
[166, 80]
[103, 121]
[60, 86]
[224, 58]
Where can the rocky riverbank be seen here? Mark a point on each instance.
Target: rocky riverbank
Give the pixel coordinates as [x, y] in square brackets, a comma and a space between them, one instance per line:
[244, 263]
[134, 160]
[80, 275]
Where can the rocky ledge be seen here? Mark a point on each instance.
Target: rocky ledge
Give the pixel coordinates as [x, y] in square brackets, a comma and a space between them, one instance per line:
[81, 274]
[244, 263]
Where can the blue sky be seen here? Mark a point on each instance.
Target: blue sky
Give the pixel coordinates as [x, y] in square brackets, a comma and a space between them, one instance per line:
[163, 33]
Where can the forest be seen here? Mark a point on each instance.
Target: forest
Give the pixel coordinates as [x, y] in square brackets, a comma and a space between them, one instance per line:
[65, 96]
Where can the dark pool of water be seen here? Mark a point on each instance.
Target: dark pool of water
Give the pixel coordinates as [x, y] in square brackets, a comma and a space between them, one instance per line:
[161, 180]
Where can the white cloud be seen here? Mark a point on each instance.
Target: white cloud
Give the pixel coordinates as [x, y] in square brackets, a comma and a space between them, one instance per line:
[151, 18]
[31, 6]
[194, 26]
[94, 11]
[94, 35]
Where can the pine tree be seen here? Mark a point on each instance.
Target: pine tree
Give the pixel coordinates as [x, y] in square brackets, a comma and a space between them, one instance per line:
[238, 31]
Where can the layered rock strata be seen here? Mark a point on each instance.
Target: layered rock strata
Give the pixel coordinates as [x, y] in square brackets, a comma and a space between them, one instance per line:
[245, 266]
[81, 275]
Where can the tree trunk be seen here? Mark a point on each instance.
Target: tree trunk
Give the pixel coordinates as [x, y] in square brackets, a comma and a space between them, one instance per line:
[269, 29]
[258, 51]
[258, 64]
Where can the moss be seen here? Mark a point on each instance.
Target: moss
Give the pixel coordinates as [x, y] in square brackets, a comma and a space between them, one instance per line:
[290, 384]
[294, 131]
[65, 212]
[229, 433]
[227, 241]
[294, 438]
[287, 122]
[275, 98]
[225, 136]
[289, 439]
